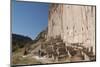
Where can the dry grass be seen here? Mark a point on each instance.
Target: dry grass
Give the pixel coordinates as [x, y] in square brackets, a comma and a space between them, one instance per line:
[19, 60]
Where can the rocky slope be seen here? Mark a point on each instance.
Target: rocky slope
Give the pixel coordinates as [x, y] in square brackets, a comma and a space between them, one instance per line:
[19, 41]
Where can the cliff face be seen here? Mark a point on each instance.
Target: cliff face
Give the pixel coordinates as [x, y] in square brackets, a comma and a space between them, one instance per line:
[75, 24]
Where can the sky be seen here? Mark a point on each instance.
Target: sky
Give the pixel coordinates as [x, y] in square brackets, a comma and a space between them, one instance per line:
[29, 18]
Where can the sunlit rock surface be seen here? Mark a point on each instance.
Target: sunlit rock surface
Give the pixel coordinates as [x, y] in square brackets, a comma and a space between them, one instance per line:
[74, 23]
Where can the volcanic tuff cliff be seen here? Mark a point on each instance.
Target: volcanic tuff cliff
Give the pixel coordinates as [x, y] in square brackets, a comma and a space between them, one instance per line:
[74, 23]
[70, 34]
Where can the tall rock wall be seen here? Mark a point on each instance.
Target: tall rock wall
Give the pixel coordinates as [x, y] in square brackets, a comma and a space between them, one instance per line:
[74, 23]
